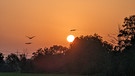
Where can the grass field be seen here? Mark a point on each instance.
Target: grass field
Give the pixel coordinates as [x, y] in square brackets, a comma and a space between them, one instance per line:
[30, 74]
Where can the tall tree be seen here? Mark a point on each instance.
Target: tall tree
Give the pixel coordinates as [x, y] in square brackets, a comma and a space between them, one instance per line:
[126, 44]
[127, 33]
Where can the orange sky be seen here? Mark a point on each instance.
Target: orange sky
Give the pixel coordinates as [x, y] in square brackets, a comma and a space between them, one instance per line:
[51, 20]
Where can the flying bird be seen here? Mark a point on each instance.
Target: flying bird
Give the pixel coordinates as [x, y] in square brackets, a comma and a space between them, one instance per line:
[30, 37]
[28, 43]
[73, 30]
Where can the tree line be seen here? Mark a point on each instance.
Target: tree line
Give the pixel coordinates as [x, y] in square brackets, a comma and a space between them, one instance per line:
[86, 55]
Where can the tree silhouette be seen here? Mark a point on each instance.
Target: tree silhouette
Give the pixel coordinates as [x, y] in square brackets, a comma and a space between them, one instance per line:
[52, 58]
[53, 50]
[39, 54]
[1, 58]
[127, 33]
[123, 58]
[25, 64]
[13, 61]
[2, 62]
[88, 54]
[58, 49]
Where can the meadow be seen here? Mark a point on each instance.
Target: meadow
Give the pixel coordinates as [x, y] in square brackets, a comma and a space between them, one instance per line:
[30, 74]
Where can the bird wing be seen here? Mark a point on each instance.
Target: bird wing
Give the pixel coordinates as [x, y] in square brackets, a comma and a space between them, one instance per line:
[30, 37]
[33, 36]
[28, 43]
[73, 30]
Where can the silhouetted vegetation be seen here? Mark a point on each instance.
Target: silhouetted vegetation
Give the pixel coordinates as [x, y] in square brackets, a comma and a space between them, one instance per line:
[125, 53]
[122, 58]
[86, 55]
[49, 59]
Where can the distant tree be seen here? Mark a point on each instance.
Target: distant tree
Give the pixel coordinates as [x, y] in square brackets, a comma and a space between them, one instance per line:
[39, 53]
[2, 62]
[24, 64]
[58, 49]
[13, 61]
[52, 59]
[1, 58]
[23, 57]
[53, 50]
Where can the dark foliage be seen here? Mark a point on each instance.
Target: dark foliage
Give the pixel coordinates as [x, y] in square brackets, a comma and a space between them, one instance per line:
[1, 61]
[123, 58]
[13, 61]
[127, 46]
[1, 58]
[127, 33]
[89, 55]
[50, 60]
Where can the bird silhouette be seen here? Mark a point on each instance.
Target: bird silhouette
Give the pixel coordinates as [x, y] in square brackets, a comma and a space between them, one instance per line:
[30, 37]
[73, 30]
[28, 43]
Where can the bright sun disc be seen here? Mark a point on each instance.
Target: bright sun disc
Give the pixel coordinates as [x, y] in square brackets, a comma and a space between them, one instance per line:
[70, 38]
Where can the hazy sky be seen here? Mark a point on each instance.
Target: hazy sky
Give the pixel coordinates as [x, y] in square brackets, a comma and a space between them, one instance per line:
[51, 20]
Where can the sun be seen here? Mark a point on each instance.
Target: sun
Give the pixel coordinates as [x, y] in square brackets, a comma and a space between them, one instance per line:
[70, 38]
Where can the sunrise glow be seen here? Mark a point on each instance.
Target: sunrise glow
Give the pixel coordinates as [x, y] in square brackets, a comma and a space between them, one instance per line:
[51, 21]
